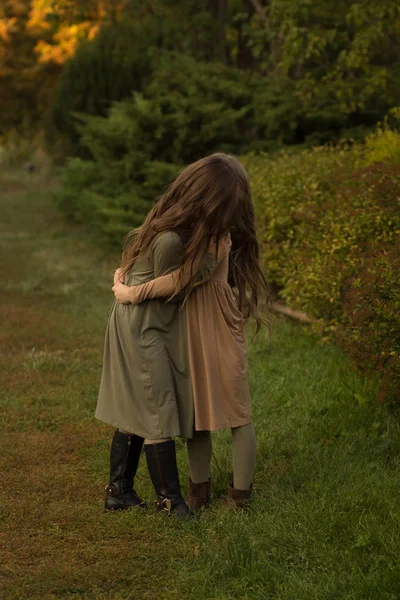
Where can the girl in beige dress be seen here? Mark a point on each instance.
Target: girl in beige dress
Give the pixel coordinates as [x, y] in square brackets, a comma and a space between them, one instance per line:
[186, 347]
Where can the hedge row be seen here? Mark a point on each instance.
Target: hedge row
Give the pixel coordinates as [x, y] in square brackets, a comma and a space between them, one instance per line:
[329, 225]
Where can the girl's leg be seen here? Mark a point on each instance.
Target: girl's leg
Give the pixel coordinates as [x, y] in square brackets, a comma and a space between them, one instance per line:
[124, 459]
[243, 455]
[163, 470]
[199, 455]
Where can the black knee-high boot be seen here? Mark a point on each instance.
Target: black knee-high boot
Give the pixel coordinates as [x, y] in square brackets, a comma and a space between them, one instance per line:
[161, 462]
[124, 459]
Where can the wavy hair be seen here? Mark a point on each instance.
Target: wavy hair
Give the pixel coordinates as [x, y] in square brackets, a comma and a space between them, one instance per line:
[209, 198]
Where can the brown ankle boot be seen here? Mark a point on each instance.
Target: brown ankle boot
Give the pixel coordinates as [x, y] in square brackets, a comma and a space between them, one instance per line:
[199, 494]
[238, 498]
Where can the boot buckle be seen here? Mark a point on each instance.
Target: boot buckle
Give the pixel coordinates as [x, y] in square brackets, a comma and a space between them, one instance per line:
[164, 505]
[111, 490]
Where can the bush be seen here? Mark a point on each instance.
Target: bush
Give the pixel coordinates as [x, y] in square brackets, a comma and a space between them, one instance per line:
[287, 190]
[383, 145]
[330, 236]
[107, 196]
[146, 139]
[370, 331]
[102, 71]
[203, 104]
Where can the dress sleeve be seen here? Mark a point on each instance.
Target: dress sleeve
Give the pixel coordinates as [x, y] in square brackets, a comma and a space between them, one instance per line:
[167, 253]
[168, 256]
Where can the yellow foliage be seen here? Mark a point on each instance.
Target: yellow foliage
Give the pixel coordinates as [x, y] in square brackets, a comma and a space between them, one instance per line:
[64, 42]
[40, 9]
[64, 38]
[5, 26]
[384, 144]
[92, 31]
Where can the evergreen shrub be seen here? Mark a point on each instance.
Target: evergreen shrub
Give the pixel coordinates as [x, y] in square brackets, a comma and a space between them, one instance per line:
[188, 110]
[103, 70]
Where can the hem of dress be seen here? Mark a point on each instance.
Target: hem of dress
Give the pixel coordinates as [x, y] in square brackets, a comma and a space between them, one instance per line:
[240, 423]
[155, 436]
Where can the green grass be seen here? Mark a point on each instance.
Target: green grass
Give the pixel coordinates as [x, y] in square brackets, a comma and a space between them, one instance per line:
[325, 521]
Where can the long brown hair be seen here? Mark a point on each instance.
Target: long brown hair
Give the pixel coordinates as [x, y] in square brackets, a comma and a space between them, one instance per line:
[209, 198]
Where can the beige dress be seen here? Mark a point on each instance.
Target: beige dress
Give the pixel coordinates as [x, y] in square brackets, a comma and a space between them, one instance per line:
[216, 347]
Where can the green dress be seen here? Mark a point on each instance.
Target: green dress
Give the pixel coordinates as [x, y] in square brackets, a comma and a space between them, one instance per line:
[145, 385]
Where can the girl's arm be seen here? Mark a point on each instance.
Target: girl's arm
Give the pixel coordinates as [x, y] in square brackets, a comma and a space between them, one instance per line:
[165, 285]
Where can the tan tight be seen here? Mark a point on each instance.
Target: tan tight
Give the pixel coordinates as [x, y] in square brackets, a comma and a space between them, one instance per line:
[243, 456]
[199, 455]
[200, 452]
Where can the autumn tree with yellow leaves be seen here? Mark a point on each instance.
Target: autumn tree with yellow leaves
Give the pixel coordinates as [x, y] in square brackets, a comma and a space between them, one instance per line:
[36, 39]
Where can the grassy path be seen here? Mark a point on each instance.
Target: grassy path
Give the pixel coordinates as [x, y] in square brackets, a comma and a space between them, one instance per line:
[325, 522]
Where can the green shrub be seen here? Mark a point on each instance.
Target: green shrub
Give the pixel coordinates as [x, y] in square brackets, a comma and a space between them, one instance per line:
[107, 196]
[330, 235]
[355, 208]
[287, 190]
[144, 141]
[383, 145]
[102, 71]
[370, 331]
